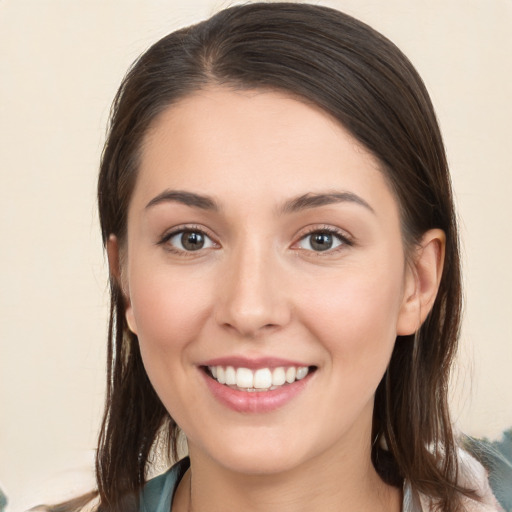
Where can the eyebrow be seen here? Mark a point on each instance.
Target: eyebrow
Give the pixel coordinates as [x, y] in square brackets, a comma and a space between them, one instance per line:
[315, 200]
[296, 204]
[186, 198]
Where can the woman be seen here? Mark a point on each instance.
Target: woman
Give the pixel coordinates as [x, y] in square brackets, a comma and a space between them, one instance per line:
[276, 207]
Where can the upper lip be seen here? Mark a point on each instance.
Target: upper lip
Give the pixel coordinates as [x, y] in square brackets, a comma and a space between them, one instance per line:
[252, 363]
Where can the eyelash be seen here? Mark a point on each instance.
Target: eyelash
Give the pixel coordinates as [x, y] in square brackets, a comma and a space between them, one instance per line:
[344, 240]
[180, 230]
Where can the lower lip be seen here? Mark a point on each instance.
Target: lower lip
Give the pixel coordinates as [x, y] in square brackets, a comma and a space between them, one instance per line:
[256, 401]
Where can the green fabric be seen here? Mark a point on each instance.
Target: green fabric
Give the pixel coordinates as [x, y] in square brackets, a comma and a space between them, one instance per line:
[158, 493]
[3, 501]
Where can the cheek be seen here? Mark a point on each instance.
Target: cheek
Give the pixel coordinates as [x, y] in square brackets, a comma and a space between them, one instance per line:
[357, 319]
[168, 309]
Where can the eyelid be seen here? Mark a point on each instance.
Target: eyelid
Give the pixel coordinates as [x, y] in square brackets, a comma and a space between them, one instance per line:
[345, 238]
[176, 230]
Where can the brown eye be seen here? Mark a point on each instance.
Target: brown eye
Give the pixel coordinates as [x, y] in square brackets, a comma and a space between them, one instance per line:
[322, 241]
[188, 240]
[192, 240]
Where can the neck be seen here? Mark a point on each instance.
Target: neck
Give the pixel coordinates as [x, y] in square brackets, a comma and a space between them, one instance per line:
[332, 481]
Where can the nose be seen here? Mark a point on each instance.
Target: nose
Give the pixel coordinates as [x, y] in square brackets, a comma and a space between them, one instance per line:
[252, 297]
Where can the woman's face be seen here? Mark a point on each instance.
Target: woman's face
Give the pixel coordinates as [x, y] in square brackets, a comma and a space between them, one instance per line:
[263, 247]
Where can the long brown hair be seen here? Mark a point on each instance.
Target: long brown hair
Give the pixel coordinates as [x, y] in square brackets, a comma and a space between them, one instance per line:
[364, 81]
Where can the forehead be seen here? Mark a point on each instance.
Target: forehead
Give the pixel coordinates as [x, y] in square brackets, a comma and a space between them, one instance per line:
[221, 140]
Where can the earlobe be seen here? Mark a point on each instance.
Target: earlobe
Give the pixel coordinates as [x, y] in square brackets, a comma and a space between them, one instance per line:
[422, 282]
[114, 264]
[130, 320]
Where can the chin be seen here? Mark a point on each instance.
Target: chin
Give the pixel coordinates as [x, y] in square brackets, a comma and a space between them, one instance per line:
[265, 462]
[263, 453]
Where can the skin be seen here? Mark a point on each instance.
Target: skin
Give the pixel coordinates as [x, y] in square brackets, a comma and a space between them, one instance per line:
[258, 289]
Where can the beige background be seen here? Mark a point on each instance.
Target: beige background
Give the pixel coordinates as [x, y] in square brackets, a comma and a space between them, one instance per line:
[60, 64]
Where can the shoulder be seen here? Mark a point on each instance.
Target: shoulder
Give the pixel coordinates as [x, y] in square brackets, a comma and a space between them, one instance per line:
[471, 475]
[158, 492]
[91, 506]
[475, 476]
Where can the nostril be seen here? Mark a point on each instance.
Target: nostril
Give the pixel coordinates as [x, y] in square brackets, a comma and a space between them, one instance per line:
[250, 327]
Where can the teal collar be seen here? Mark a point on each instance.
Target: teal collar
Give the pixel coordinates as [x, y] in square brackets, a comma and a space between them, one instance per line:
[158, 493]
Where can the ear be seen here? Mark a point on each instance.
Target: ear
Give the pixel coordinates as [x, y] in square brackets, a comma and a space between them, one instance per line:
[422, 279]
[116, 273]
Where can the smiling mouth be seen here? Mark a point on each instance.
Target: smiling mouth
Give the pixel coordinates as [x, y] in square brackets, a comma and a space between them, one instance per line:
[261, 379]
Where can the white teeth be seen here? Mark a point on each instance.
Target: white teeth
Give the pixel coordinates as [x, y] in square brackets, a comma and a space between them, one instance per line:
[278, 376]
[221, 375]
[302, 372]
[260, 379]
[244, 378]
[230, 376]
[291, 373]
